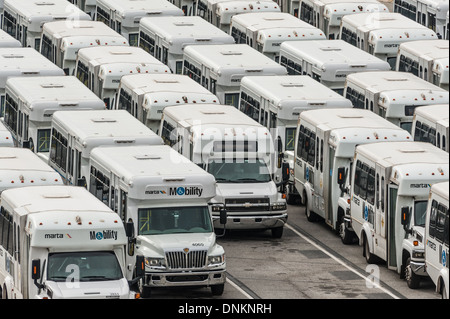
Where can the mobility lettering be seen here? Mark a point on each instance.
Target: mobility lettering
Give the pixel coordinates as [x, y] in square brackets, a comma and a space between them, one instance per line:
[185, 191]
[106, 234]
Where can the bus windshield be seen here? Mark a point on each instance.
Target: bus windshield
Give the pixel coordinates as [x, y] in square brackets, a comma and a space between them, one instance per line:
[239, 171]
[172, 220]
[83, 266]
[420, 212]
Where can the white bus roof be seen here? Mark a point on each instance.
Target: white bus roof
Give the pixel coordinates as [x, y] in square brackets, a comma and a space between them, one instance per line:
[394, 24]
[105, 127]
[136, 9]
[438, 113]
[171, 88]
[150, 167]
[21, 167]
[228, 9]
[441, 189]
[333, 52]
[25, 62]
[236, 57]
[36, 12]
[187, 30]
[292, 94]
[385, 81]
[427, 49]
[7, 41]
[5, 136]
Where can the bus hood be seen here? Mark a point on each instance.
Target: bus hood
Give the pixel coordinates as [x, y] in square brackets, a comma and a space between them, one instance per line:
[114, 289]
[245, 190]
[160, 244]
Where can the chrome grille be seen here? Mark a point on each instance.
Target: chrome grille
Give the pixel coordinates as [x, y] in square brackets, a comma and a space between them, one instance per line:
[247, 204]
[189, 260]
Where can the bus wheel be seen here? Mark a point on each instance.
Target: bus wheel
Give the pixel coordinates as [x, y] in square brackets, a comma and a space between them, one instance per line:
[443, 291]
[412, 279]
[310, 216]
[345, 235]
[277, 232]
[217, 290]
[370, 258]
[3, 293]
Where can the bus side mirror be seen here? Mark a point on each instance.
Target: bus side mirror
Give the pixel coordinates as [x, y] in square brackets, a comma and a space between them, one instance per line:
[286, 170]
[140, 266]
[405, 216]
[223, 216]
[341, 176]
[36, 269]
[129, 229]
[82, 182]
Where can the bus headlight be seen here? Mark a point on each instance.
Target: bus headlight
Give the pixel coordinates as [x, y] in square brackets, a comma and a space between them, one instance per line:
[154, 262]
[216, 260]
[279, 206]
[419, 254]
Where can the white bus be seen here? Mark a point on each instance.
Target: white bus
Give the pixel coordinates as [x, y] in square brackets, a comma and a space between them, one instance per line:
[123, 16]
[431, 124]
[23, 19]
[76, 133]
[101, 68]
[276, 103]
[227, 9]
[220, 68]
[389, 194]
[61, 40]
[427, 59]
[166, 198]
[31, 102]
[239, 153]
[327, 14]
[165, 38]
[7, 41]
[60, 242]
[23, 62]
[146, 95]
[20, 167]
[324, 148]
[430, 13]
[436, 238]
[381, 34]
[6, 138]
[188, 6]
[328, 61]
[266, 31]
[392, 95]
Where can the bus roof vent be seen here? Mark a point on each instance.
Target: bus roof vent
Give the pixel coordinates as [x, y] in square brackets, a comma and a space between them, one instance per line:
[183, 24]
[120, 53]
[52, 86]
[104, 120]
[330, 49]
[147, 157]
[44, 3]
[350, 116]
[409, 151]
[292, 85]
[56, 195]
[167, 81]
[396, 79]
[213, 112]
[7, 156]
[231, 53]
[13, 56]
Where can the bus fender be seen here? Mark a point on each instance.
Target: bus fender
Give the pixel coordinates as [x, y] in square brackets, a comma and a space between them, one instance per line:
[365, 230]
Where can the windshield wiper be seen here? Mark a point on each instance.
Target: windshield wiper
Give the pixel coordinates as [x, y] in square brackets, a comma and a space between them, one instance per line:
[93, 278]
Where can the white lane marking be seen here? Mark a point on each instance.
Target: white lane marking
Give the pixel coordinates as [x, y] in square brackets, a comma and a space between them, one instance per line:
[342, 263]
[239, 288]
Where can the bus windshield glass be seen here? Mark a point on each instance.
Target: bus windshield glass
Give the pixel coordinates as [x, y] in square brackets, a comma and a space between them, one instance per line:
[239, 171]
[172, 220]
[83, 266]
[420, 212]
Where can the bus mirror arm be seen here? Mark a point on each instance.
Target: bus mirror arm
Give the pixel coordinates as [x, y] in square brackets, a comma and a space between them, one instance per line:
[405, 214]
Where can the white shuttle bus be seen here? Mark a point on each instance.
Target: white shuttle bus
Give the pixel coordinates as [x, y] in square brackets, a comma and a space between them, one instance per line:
[187, 6]
[327, 14]
[436, 238]
[60, 242]
[227, 9]
[101, 68]
[24, 19]
[220, 68]
[324, 147]
[20, 167]
[76, 133]
[31, 102]
[239, 153]
[276, 103]
[427, 59]
[266, 31]
[123, 16]
[165, 197]
[431, 124]
[61, 40]
[381, 34]
[18, 62]
[389, 194]
[146, 95]
[7, 41]
[87, 6]
[165, 38]
[6, 138]
[392, 95]
[328, 61]
[429, 13]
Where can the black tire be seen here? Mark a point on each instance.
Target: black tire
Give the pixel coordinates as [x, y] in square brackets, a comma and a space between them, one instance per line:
[217, 290]
[310, 216]
[412, 280]
[277, 232]
[370, 258]
[443, 291]
[345, 235]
